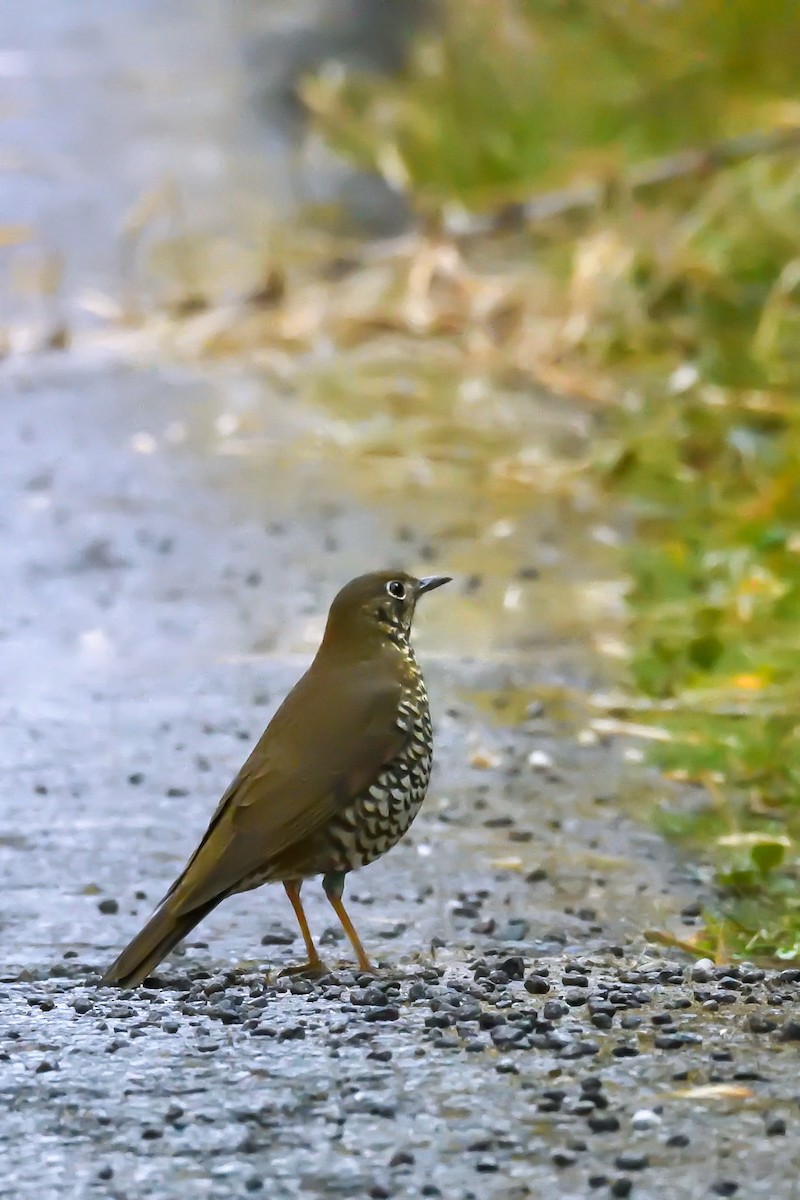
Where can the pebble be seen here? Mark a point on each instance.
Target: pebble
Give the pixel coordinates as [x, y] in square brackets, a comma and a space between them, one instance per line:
[291, 1033]
[645, 1118]
[703, 971]
[521, 1031]
[402, 1158]
[605, 1123]
[630, 1161]
[386, 1013]
[278, 937]
[536, 985]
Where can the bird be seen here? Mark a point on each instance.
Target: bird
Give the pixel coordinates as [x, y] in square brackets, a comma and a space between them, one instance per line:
[333, 783]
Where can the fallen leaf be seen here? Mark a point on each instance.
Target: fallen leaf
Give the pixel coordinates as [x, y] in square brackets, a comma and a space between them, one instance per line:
[713, 1091]
[484, 760]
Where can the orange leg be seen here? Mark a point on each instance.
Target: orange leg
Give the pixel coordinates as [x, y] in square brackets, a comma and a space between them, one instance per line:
[315, 965]
[350, 930]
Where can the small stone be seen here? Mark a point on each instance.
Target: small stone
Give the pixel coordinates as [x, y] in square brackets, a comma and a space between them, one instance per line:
[537, 875]
[790, 1031]
[402, 1158]
[603, 1123]
[630, 1161]
[507, 1037]
[278, 937]
[724, 1187]
[368, 996]
[591, 1085]
[645, 1118]
[621, 1187]
[540, 760]
[506, 1067]
[536, 985]
[513, 967]
[292, 1033]
[575, 979]
[602, 1021]
[109, 906]
[775, 1126]
[387, 1013]
[668, 1041]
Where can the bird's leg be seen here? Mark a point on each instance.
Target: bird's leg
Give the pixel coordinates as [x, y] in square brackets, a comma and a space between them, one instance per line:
[315, 965]
[333, 886]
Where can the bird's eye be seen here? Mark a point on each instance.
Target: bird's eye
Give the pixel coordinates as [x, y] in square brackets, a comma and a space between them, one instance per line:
[397, 589]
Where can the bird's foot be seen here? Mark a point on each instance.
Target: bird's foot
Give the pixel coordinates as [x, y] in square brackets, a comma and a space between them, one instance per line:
[314, 969]
[368, 968]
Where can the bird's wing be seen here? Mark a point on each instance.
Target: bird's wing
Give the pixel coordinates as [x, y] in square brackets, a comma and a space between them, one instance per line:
[322, 748]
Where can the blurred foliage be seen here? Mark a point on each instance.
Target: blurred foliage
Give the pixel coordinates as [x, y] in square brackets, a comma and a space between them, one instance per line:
[687, 308]
[515, 93]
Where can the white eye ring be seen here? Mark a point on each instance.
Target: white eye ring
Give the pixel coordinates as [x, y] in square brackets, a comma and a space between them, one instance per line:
[396, 589]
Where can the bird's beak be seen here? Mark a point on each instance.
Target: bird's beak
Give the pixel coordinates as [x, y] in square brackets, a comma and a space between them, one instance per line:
[430, 582]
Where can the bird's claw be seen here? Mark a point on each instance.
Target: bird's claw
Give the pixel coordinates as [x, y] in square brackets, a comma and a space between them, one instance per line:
[311, 970]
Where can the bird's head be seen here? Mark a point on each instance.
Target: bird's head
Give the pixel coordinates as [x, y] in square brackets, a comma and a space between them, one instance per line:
[381, 604]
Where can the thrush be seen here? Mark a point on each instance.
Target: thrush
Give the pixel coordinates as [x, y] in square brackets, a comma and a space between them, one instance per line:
[333, 783]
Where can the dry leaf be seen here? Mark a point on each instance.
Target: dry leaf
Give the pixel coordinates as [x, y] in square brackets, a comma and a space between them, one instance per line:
[713, 1091]
[484, 760]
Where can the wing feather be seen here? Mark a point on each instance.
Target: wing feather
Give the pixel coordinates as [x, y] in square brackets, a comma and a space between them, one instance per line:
[325, 745]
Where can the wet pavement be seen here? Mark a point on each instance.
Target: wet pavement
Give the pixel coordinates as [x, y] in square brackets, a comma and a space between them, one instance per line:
[171, 537]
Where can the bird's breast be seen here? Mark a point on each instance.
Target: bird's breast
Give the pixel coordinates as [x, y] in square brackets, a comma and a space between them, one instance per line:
[377, 819]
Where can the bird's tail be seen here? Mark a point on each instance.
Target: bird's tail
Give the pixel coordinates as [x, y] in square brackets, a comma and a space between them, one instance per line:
[162, 932]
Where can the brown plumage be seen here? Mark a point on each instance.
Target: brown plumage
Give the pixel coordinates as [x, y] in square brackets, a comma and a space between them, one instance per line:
[334, 781]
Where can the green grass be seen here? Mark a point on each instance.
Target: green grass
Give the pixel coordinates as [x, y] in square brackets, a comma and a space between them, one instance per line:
[512, 94]
[688, 307]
